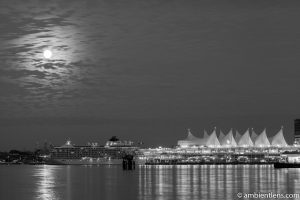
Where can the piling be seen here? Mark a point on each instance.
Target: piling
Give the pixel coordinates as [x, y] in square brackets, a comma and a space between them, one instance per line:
[128, 162]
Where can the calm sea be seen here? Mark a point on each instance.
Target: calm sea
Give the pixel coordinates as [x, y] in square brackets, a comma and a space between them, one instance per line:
[146, 182]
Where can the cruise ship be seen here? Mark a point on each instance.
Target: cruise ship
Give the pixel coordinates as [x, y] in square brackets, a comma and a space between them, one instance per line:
[111, 153]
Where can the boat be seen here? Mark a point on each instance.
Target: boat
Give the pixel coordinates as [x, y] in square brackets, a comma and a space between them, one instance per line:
[289, 160]
[111, 153]
[286, 165]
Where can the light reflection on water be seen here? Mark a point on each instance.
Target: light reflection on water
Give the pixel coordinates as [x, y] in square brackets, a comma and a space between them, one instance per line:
[214, 182]
[146, 182]
[46, 183]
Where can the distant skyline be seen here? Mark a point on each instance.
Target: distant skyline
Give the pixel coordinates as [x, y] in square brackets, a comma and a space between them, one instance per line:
[146, 71]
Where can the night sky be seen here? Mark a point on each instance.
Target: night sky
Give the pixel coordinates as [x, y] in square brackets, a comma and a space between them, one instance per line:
[146, 70]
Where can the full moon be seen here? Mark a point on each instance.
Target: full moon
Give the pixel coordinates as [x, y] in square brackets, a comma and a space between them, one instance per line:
[47, 54]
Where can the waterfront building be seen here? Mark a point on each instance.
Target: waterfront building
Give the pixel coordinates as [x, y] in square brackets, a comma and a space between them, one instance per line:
[245, 140]
[228, 140]
[278, 139]
[212, 140]
[225, 149]
[297, 131]
[262, 140]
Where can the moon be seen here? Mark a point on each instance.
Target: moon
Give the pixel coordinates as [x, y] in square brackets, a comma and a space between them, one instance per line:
[47, 54]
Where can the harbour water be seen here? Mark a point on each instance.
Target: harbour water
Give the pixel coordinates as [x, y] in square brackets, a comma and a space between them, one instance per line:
[46, 182]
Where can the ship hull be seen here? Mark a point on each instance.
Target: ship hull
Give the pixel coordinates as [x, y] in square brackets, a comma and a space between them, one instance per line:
[286, 165]
[89, 161]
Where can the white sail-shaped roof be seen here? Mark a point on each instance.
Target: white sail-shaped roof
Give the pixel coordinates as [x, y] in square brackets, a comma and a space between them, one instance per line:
[262, 140]
[212, 140]
[278, 139]
[228, 140]
[245, 140]
[237, 136]
[191, 140]
[253, 135]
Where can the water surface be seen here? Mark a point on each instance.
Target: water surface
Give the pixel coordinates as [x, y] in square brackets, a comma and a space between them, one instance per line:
[146, 182]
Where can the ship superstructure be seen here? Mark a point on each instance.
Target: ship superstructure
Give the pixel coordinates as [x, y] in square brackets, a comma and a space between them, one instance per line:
[111, 153]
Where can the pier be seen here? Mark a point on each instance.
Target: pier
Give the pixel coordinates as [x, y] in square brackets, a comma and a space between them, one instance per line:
[128, 162]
